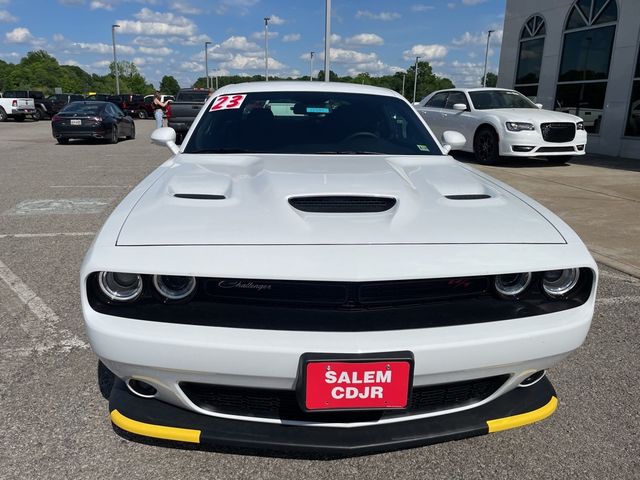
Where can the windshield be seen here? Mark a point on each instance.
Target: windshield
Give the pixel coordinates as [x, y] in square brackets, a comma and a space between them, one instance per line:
[82, 108]
[192, 96]
[489, 99]
[311, 123]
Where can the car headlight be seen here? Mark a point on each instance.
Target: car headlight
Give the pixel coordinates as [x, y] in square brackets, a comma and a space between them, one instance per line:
[580, 126]
[512, 284]
[519, 126]
[557, 283]
[174, 287]
[120, 287]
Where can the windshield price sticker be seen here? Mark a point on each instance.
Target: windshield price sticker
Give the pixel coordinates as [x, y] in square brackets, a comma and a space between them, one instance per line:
[227, 102]
[352, 385]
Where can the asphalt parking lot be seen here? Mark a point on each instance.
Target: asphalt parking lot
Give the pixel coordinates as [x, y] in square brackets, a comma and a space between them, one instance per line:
[55, 421]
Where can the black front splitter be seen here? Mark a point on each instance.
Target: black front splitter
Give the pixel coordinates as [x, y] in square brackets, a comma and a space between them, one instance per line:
[156, 419]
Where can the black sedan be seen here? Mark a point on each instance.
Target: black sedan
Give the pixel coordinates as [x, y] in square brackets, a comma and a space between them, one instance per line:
[92, 120]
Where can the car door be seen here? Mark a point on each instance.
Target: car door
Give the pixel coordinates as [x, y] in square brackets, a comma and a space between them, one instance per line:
[432, 112]
[458, 120]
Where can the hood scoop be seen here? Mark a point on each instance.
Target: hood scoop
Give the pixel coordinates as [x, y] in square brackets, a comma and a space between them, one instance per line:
[199, 196]
[468, 196]
[342, 204]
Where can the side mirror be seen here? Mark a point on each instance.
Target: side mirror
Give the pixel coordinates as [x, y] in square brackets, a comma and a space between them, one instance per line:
[539, 105]
[452, 141]
[165, 136]
[461, 107]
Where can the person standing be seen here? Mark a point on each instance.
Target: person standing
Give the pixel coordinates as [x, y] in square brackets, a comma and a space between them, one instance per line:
[158, 108]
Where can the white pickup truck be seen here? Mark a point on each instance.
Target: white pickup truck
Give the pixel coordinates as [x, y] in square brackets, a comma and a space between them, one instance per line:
[16, 108]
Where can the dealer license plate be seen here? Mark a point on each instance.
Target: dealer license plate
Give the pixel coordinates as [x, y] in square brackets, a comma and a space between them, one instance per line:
[76, 122]
[354, 384]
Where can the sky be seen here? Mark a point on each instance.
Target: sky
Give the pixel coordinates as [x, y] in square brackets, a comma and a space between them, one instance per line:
[166, 37]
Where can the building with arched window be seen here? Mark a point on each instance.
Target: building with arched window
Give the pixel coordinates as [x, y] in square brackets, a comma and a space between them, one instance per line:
[580, 57]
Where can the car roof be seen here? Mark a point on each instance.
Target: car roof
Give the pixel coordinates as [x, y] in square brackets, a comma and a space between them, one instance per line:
[478, 89]
[300, 86]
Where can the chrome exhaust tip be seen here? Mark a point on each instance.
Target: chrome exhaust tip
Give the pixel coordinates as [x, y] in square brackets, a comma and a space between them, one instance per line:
[141, 388]
[533, 379]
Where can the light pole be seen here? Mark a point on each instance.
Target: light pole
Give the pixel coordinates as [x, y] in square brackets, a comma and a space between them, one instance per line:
[206, 62]
[486, 56]
[266, 48]
[327, 40]
[115, 58]
[404, 77]
[311, 69]
[415, 80]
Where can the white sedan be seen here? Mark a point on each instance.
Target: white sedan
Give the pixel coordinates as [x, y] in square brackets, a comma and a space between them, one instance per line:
[310, 271]
[504, 123]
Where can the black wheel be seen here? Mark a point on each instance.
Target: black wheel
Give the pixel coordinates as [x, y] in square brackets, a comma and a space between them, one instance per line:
[141, 114]
[133, 132]
[560, 159]
[485, 146]
[38, 115]
[114, 135]
[62, 140]
[19, 118]
[3, 115]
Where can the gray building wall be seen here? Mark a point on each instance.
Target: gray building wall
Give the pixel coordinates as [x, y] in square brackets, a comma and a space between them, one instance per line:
[610, 140]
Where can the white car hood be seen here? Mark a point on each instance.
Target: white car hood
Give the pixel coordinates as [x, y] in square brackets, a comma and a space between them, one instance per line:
[255, 209]
[532, 115]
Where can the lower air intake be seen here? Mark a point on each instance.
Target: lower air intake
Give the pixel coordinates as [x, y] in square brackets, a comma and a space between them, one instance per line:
[342, 204]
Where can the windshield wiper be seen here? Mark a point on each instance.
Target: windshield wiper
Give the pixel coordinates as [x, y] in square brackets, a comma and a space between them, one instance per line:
[222, 150]
[348, 152]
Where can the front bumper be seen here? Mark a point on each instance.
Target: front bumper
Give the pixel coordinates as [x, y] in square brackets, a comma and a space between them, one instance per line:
[531, 144]
[159, 420]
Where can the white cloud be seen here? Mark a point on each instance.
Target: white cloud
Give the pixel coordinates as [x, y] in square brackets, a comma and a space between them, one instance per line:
[421, 8]
[240, 62]
[384, 16]
[100, 4]
[58, 37]
[240, 6]
[473, 2]
[9, 55]
[190, 41]
[156, 51]
[376, 68]
[157, 23]
[184, 7]
[101, 64]
[71, 62]
[276, 20]
[6, 17]
[19, 35]
[480, 38]
[149, 41]
[425, 52]
[291, 37]
[335, 38]
[365, 39]
[192, 67]
[100, 48]
[260, 35]
[341, 55]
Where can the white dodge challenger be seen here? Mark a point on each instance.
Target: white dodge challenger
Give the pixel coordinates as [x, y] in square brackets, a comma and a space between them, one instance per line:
[502, 123]
[310, 271]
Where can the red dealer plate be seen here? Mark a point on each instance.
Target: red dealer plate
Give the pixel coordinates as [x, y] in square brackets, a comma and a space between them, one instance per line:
[343, 385]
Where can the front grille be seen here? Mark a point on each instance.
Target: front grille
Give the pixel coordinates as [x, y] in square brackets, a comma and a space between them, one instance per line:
[283, 404]
[555, 149]
[342, 204]
[558, 132]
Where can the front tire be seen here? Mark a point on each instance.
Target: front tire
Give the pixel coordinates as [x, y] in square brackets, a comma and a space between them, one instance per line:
[38, 115]
[114, 135]
[3, 115]
[560, 159]
[486, 146]
[141, 114]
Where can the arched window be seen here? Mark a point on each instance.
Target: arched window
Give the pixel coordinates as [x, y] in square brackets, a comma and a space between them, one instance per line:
[530, 57]
[586, 56]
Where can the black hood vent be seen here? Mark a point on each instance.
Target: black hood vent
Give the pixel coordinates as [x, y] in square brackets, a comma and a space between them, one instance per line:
[342, 204]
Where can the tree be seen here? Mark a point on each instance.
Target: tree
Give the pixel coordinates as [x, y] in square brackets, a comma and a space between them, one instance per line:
[492, 79]
[169, 85]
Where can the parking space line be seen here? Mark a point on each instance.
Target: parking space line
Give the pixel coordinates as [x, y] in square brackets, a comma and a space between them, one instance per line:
[45, 235]
[45, 330]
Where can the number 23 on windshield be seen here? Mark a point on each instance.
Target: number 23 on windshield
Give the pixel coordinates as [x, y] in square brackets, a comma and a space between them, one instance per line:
[227, 102]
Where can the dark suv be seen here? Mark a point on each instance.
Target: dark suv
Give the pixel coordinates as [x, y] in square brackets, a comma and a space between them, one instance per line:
[55, 103]
[132, 104]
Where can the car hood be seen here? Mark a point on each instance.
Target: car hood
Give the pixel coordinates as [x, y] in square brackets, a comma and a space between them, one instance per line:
[532, 115]
[244, 200]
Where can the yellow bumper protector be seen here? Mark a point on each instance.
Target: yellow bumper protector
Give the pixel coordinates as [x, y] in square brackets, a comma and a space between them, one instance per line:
[155, 431]
[524, 418]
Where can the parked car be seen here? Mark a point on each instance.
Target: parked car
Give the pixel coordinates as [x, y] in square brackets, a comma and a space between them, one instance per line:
[132, 104]
[38, 100]
[16, 107]
[56, 102]
[504, 123]
[325, 278]
[100, 97]
[92, 120]
[163, 98]
[183, 110]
